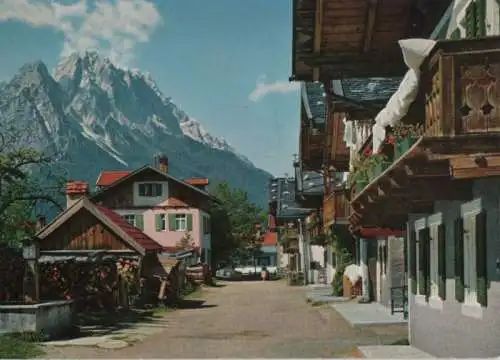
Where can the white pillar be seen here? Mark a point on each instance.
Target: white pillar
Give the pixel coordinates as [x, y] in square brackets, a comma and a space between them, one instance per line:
[363, 263]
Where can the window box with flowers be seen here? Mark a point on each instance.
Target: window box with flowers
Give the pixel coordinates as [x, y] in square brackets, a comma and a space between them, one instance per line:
[404, 136]
[378, 164]
[359, 177]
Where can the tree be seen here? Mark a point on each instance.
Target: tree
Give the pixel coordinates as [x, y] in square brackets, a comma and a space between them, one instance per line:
[233, 225]
[186, 242]
[29, 183]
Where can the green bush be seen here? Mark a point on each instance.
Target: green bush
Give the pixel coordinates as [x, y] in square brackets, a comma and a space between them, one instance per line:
[338, 282]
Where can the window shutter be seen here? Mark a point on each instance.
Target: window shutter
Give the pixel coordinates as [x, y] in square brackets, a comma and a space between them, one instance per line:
[481, 259]
[139, 221]
[209, 226]
[470, 20]
[413, 261]
[172, 226]
[159, 222]
[189, 219]
[427, 259]
[422, 286]
[480, 17]
[442, 261]
[456, 35]
[459, 260]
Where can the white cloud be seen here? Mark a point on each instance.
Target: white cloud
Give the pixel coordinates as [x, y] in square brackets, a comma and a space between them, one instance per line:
[112, 27]
[262, 88]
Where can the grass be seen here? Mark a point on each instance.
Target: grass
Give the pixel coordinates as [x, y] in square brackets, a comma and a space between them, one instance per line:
[16, 346]
[403, 341]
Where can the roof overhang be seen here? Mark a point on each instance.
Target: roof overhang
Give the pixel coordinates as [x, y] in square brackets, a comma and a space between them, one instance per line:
[341, 39]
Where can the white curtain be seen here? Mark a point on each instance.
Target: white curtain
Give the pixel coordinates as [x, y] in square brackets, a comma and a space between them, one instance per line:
[414, 53]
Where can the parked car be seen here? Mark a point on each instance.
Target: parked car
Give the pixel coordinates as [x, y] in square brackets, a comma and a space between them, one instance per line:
[228, 274]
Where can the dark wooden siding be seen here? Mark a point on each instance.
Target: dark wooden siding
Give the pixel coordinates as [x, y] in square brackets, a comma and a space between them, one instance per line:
[83, 231]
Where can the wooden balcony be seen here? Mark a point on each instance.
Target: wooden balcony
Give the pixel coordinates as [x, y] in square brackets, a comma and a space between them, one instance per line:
[461, 82]
[336, 151]
[336, 208]
[460, 85]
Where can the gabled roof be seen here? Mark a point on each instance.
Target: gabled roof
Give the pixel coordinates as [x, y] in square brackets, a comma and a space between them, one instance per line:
[107, 178]
[313, 99]
[128, 233]
[165, 175]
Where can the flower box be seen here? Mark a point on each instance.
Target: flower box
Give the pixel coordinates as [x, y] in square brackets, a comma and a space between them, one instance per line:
[403, 145]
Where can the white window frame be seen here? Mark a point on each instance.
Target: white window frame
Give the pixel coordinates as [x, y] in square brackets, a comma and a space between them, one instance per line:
[181, 222]
[468, 212]
[419, 224]
[129, 217]
[434, 221]
[154, 186]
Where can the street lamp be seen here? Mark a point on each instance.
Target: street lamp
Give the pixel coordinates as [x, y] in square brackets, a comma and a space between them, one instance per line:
[31, 253]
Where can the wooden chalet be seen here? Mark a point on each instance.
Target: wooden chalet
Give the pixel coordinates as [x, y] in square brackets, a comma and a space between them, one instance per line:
[432, 178]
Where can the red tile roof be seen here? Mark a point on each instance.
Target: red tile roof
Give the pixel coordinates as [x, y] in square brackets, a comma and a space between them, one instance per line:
[270, 239]
[77, 187]
[139, 237]
[106, 178]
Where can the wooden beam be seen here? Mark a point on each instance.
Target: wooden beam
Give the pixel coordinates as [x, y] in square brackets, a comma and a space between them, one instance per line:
[370, 24]
[318, 34]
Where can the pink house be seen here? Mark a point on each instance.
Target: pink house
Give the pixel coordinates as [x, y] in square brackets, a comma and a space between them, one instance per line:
[173, 212]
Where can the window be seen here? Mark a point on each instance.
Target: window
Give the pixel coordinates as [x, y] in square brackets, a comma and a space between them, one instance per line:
[130, 218]
[174, 222]
[180, 222]
[474, 20]
[136, 220]
[471, 275]
[150, 190]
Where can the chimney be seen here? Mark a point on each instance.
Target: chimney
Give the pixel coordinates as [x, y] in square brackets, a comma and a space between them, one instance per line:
[163, 164]
[75, 190]
[41, 221]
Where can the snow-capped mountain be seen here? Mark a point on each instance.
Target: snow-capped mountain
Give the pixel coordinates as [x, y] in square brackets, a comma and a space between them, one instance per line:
[100, 116]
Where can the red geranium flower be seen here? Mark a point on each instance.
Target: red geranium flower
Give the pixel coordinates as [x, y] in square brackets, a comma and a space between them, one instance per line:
[367, 152]
[391, 140]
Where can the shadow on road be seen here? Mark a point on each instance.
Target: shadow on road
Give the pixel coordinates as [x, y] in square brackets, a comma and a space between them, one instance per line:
[193, 304]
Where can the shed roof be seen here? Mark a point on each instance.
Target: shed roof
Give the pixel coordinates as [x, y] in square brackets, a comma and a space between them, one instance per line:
[129, 234]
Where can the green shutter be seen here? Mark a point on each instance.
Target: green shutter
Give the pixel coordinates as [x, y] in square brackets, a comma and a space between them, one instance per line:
[209, 225]
[189, 218]
[480, 17]
[470, 20]
[459, 260]
[139, 221]
[422, 262]
[481, 259]
[456, 35]
[427, 259]
[442, 261]
[159, 222]
[172, 226]
[413, 261]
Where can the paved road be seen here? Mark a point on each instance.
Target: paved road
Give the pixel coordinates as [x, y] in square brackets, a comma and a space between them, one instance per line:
[249, 319]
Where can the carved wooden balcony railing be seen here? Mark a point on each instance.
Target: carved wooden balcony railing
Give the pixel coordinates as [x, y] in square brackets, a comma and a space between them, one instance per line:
[461, 81]
[336, 207]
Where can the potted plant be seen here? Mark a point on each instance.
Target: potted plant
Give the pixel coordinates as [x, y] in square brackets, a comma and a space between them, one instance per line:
[405, 136]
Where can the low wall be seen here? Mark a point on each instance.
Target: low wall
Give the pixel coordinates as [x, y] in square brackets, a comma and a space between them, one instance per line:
[50, 319]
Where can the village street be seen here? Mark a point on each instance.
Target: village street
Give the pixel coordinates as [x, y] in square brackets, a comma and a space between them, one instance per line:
[247, 319]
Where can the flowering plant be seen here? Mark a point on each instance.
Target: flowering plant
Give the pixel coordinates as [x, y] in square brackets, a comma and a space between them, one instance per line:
[402, 131]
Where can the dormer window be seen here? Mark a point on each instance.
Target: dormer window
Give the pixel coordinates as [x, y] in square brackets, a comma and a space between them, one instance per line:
[150, 190]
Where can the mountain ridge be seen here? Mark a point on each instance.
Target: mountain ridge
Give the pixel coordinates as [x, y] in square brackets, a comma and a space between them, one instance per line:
[89, 109]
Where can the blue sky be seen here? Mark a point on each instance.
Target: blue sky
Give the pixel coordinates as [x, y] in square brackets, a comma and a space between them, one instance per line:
[225, 62]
